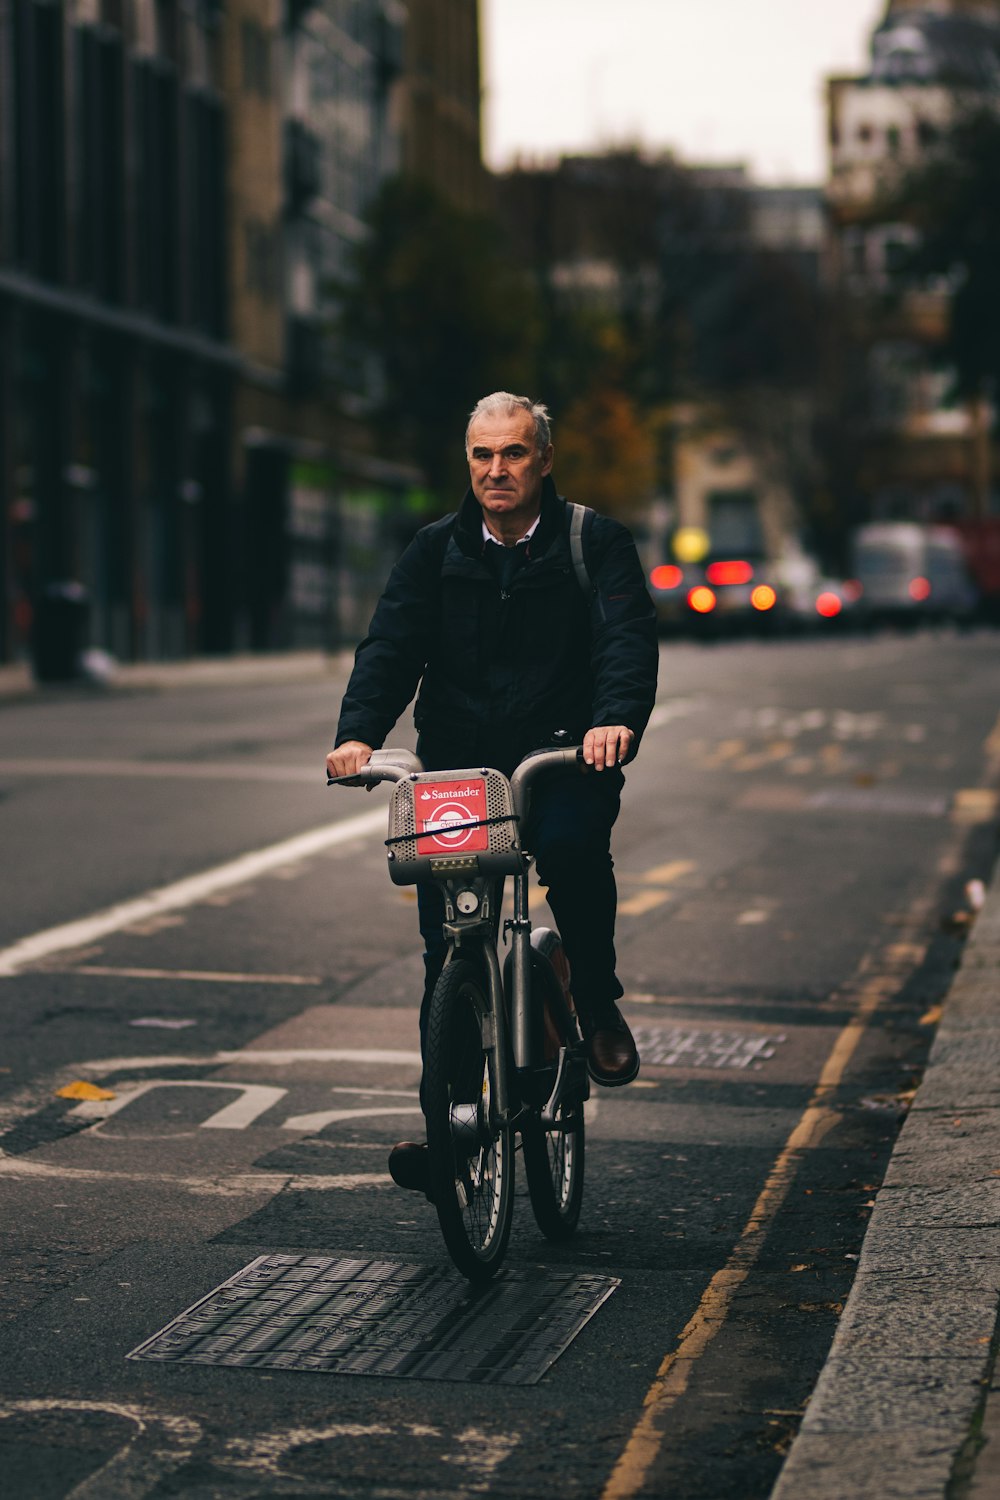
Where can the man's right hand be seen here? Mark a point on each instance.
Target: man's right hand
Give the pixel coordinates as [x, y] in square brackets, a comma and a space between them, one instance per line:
[348, 758]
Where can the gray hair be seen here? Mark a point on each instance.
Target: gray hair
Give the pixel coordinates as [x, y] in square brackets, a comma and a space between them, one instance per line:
[503, 404]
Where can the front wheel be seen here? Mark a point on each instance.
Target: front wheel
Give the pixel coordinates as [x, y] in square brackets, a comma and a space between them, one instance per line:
[471, 1162]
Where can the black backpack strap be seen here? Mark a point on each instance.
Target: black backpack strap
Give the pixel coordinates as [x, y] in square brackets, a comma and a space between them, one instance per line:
[577, 515]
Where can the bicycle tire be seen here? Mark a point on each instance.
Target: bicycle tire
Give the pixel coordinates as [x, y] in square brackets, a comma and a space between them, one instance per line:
[554, 1156]
[470, 1163]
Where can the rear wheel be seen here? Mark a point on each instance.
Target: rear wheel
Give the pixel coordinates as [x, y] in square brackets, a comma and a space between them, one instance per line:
[471, 1163]
[553, 1165]
[554, 1154]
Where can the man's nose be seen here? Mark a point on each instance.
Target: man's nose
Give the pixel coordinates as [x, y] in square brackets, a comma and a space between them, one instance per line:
[497, 465]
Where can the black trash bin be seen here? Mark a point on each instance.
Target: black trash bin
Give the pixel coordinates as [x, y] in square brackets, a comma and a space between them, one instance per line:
[62, 618]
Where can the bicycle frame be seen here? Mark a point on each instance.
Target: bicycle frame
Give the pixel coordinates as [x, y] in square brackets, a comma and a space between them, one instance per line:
[510, 1040]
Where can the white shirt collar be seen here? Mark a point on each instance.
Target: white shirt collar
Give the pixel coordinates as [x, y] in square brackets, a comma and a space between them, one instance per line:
[489, 537]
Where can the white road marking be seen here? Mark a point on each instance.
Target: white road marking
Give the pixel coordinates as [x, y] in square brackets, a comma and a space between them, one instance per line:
[181, 893]
[375, 1093]
[202, 976]
[255, 1099]
[226, 1185]
[479, 1454]
[202, 770]
[679, 708]
[282, 1057]
[160, 1445]
[321, 1118]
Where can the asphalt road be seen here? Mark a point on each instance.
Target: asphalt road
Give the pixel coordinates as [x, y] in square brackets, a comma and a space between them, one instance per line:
[793, 855]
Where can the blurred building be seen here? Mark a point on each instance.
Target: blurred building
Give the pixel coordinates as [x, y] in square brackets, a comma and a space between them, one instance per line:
[183, 438]
[441, 100]
[115, 363]
[314, 94]
[919, 454]
[666, 247]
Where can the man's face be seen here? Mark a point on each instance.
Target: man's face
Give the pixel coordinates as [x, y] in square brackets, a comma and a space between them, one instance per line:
[506, 467]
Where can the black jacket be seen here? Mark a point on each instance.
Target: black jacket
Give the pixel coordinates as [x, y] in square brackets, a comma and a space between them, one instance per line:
[501, 668]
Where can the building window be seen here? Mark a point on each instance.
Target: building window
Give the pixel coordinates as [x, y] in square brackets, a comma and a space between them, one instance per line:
[256, 48]
[893, 139]
[865, 134]
[262, 268]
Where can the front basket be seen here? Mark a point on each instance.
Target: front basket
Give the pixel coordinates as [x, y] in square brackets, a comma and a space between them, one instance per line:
[450, 823]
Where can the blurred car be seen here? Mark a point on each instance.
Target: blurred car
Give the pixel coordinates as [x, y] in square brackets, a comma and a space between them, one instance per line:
[720, 596]
[908, 572]
[831, 604]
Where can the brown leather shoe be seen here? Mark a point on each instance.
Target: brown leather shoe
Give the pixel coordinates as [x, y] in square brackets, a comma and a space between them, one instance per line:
[408, 1166]
[612, 1058]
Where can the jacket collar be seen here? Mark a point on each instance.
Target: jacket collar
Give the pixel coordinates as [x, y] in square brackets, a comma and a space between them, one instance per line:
[469, 522]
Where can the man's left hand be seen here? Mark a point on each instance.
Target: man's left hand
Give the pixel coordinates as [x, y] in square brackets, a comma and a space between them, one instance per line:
[607, 745]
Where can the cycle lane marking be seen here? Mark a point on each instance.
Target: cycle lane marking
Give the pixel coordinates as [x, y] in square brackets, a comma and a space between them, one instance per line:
[160, 1445]
[183, 893]
[673, 1376]
[27, 1101]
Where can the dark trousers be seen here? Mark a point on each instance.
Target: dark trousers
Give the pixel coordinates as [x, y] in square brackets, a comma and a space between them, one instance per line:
[569, 833]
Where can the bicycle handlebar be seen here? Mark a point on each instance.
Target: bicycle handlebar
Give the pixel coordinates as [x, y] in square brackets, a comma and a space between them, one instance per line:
[396, 765]
[384, 765]
[534, 764]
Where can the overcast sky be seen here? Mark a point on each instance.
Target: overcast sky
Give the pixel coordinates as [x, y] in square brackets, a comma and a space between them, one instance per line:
[712, 80]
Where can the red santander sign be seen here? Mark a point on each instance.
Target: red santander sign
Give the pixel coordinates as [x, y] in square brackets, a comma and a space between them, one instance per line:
[444, 812]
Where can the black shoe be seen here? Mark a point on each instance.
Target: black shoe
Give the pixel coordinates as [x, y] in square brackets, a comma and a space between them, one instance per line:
[612, 1058]
[408, 1166]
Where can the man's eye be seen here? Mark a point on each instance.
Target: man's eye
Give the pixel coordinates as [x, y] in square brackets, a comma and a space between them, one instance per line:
[516, 453]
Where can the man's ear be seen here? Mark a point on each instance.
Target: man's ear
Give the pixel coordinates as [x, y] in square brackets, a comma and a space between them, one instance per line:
[547, 458]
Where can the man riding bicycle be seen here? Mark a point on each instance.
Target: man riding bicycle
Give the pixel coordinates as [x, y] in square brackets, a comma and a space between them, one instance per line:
[485, 611]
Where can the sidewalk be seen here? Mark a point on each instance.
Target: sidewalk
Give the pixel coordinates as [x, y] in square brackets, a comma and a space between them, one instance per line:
[908, 1402]
[17, 681]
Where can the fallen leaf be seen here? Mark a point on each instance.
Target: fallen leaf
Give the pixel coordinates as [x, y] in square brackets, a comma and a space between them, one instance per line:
[932, 1017]
[80, 1089]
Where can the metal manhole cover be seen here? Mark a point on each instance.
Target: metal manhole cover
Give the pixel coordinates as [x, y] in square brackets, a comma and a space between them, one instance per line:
[703, 1047]
[363, 1317]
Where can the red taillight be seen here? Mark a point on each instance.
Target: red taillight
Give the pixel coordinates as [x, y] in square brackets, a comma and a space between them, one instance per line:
[920, 589]
[701, 600]
[728, 572]
[828, 605]
[666, 576]
[763, 597]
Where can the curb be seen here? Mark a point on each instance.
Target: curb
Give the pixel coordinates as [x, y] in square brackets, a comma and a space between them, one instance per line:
[17, 681]
[905, 1379]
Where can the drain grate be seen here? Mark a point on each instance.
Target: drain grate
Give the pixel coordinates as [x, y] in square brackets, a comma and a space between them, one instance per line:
[686, 1047]
[364, 1317]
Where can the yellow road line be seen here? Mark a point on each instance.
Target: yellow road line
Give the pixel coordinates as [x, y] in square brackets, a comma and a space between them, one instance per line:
[642, 901]
[664, 874]
[975, 805]
[992, 747]
[671, 1381]
[656, 879]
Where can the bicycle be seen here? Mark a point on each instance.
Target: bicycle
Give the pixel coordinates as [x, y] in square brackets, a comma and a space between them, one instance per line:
[504, 1053]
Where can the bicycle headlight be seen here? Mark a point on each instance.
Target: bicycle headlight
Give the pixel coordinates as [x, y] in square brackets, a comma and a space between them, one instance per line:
[467, 902]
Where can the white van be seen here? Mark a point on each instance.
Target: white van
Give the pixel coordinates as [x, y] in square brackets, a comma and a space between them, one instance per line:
[906, 570]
